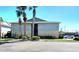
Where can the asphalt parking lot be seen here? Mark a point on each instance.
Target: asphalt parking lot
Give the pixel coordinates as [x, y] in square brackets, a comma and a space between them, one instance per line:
[37, 46]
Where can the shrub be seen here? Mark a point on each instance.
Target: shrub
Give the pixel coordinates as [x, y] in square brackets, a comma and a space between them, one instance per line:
[35, 38]
[20, 37]
[28, 37]
[17, 37]
[24, 38]
[47, 37]
[76, 39]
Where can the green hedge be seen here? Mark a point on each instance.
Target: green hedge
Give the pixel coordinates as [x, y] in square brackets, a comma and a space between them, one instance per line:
[76, 39]
[35, 38]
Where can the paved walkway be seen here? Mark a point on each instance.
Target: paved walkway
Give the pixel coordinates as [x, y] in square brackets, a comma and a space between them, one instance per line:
[37, 46]
[9, 41]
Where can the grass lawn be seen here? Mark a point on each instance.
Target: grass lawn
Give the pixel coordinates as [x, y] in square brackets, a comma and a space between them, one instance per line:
[57, 40]
[6, 38]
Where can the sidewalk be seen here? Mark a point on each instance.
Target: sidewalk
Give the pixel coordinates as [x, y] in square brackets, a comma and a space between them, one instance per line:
[9, 41]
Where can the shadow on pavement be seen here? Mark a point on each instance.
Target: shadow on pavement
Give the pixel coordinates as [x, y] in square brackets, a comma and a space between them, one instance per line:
[9, 41]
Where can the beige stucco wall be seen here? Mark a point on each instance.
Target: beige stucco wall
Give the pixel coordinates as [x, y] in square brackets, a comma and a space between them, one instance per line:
[44, 29]
[15, 29]
[48, 30]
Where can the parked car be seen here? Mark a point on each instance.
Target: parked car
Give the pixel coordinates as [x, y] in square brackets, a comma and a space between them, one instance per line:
[8, 34]
[71, 36]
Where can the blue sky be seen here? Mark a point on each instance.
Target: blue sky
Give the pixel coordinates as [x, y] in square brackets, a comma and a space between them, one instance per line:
[67, 15]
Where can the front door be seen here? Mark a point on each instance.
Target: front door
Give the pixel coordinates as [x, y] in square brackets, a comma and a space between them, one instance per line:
[35, 29]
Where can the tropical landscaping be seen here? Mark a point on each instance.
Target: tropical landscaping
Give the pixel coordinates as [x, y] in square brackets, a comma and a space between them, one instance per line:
[41, 40]
[21, 15]
[20, 11]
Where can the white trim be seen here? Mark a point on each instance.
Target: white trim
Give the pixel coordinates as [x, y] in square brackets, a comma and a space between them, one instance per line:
[35, 22]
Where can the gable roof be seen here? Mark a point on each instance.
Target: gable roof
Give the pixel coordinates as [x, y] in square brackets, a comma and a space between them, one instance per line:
[36, 19]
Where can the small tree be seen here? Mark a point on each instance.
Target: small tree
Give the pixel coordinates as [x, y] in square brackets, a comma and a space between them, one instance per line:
[21, 12]
[24, 18]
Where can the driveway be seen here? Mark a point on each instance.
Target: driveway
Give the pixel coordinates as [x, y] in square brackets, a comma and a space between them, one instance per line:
[37, 46]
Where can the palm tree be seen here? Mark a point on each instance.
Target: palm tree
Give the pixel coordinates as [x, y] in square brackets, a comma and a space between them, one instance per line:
[21, 12]
[24, 17]
[18, 12]
[34, 14]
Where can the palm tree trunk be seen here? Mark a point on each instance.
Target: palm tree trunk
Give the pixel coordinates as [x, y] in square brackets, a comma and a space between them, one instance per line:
[0, 29]
[20, 28]
[24, 28]
[33, 27]
[24, 25]
[33, 22]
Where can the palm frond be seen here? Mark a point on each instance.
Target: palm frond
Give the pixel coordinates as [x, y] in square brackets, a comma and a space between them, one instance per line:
[24, 14]
[18, 13]
[35, 6]
[19, 8]
[30, 8]
[34, 12]
[23, 8]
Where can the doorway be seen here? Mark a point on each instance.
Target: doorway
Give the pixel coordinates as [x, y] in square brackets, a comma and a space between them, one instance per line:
[35, 29]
